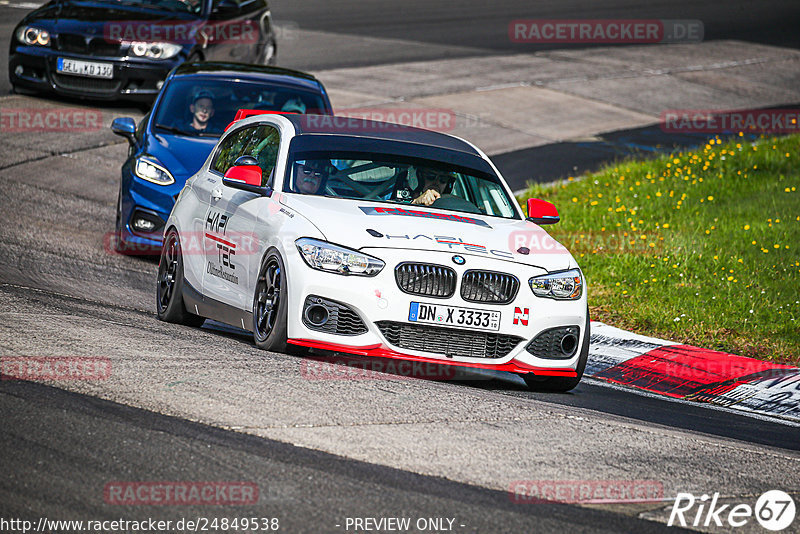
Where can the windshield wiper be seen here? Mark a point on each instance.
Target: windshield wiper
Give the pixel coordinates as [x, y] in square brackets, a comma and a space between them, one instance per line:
[173, 129]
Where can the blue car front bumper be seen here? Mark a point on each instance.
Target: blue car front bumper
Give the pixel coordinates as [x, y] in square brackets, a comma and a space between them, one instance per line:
[35, 68]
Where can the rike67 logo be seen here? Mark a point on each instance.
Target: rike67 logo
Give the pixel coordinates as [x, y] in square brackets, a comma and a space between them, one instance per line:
[774, 510]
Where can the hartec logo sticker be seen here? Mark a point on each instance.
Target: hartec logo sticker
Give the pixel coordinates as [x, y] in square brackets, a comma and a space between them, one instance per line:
[521, 316]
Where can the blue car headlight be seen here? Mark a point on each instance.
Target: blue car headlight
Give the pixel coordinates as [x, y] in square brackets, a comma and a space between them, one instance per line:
[332, 258]
[566, 285]
[30, 35]
[147, 169]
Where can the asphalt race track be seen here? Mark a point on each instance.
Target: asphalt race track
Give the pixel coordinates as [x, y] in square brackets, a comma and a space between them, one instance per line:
[308, 490]
[185, 404]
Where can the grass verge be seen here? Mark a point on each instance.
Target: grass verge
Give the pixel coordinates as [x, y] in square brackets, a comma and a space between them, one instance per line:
[699, 247]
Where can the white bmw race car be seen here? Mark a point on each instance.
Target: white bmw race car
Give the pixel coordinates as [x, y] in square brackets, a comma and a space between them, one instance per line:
[376, 240]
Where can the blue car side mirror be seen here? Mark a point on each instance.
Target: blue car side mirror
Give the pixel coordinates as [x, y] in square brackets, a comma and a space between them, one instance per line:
[125, 127]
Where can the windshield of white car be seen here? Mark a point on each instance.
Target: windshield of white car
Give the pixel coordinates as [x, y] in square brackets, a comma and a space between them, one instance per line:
[399, 180]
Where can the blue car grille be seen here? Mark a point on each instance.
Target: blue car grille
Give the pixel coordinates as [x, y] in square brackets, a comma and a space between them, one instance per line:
[93, 46]
[86, 84]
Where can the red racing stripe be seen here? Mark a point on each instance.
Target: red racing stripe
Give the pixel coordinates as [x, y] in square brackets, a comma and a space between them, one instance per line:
[220, 240]
[685, 371]
[381, 351]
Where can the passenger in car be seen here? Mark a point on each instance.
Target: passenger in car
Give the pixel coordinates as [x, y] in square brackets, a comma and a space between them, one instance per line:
[294, 105]
[202, 109]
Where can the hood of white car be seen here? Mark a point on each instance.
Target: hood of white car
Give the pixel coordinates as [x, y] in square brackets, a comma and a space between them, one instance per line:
[359, 224]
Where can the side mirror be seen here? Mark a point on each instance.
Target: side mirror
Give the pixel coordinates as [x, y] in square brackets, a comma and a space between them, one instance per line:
[246, 177]
[125, 127]
[542, 212]
[225, 8]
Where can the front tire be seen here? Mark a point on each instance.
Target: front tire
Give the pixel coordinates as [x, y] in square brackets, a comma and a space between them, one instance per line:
[270, 305]
[560, 384]
[169, 286]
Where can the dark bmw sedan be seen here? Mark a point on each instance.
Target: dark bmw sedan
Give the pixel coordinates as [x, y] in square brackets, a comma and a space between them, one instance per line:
[112, 49]
[171, 143]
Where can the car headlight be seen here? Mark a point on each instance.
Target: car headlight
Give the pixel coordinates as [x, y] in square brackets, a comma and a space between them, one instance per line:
[152, 172]
[566, 285]
[154, 50]
[335, 259]
[31, 35]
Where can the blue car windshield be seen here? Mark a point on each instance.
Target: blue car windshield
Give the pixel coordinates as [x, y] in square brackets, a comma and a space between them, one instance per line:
[177, 6]
[196, 106]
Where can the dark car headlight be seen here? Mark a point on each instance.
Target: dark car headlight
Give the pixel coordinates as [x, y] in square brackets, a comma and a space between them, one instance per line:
[31, 35]
[149, 170]
[154, 50]
[566, 285]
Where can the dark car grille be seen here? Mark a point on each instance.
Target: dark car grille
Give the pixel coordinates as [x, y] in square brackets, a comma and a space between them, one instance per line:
[341, 319]
[94, 46]
[449, 341]
[426, 279]
[489, 286]
[86, 84]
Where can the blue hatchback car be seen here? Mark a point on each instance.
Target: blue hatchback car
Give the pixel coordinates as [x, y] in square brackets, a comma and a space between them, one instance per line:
[173, 140]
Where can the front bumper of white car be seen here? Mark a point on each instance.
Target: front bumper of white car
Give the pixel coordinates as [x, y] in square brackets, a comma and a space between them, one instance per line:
[373, 316]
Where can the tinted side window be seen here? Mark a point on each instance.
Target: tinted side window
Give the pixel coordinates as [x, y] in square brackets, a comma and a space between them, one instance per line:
[263, 145]
[230, 10]
[230, 149]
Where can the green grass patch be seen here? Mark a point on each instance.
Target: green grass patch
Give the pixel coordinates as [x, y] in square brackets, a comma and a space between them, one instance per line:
[699, 247]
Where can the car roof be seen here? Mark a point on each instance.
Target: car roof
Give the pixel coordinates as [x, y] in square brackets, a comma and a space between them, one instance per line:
[249, 72]
[363, 128]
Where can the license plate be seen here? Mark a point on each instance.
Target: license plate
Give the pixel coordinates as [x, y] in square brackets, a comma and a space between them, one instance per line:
[92, 69]
[420, 312]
